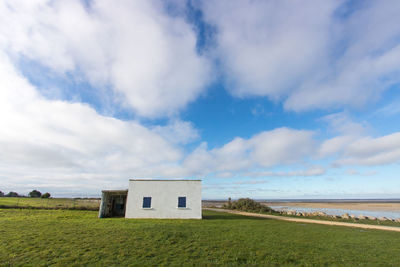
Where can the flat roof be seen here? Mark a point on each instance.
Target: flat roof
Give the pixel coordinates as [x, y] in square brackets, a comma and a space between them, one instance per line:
[115, 191]
[164, 180]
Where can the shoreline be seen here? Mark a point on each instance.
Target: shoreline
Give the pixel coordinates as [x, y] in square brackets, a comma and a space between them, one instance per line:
[373, 211]
[370, 206]
[355, 205]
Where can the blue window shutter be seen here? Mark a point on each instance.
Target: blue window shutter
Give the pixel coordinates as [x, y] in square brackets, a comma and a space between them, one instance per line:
[146, 202]
[181, 202]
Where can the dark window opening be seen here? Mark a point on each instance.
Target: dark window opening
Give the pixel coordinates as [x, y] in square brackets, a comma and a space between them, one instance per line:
[181, 202]
[146, 202]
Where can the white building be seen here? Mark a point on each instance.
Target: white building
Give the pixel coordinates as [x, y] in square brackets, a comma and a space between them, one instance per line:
[173, 199]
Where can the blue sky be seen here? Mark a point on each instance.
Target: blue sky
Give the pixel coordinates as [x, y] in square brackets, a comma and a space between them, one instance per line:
[261, 99]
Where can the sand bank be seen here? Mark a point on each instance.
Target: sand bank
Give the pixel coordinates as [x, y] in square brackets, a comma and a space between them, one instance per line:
[392, 207]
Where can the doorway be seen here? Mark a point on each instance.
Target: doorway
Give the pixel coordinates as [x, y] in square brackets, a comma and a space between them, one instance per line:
[113, 203]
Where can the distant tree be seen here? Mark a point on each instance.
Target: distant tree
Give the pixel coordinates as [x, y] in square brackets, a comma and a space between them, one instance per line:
[1, 194]
[35, 193]
[46, 195]
[12, 194]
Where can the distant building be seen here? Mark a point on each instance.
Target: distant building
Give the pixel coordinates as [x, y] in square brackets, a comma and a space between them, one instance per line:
[172, 199]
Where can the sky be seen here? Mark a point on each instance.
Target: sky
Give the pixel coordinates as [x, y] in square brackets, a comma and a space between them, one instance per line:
[269, 99]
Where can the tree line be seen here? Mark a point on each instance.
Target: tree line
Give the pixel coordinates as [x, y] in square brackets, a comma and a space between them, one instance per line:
[33, 193]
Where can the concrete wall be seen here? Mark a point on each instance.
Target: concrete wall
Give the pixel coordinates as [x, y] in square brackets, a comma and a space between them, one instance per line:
[164, 199]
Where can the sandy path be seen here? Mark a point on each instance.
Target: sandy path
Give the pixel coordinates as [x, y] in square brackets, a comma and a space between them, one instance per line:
[290, 219]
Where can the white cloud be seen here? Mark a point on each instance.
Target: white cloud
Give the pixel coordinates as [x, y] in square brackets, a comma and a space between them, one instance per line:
[148, 58]
[270, 148]
[348, 130]
[268, 46]
[391, 109]
[372, 151]
[61, 142]
[65, 146]
[313, 54]
[313, 171]
[135, 47]
[178, 132]
[342, 123]
[352, 172]
[334, 145]
[353, 146]
[225, 175]
[356, 172]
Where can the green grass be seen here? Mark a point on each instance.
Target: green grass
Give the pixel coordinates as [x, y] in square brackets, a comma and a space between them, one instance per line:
[50, 203]
[72, 237]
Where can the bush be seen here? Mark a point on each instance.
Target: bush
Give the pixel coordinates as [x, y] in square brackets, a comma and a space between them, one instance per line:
[12, 194]
[46, 195]
[1, 194]
[246, 204]
[35, 193]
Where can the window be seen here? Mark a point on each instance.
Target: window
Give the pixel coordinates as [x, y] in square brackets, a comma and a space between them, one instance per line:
[181, 202]
[146, 202]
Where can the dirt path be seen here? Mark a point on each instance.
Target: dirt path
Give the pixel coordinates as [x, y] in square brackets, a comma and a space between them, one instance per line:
[290, 219]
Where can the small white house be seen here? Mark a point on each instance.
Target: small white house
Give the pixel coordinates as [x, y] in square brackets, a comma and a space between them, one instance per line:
[172, 199]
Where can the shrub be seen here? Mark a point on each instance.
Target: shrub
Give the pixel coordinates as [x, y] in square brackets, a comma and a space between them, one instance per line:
[35, 193]
[12, 194]
[46, 195]
[1, 194]
[247, 204]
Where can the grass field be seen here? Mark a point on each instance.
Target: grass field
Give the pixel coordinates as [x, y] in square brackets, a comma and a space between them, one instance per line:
[65, 237]
[50, 203]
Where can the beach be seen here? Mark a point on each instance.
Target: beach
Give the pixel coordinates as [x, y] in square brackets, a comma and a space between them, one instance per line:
[380, 209]
[392, 207]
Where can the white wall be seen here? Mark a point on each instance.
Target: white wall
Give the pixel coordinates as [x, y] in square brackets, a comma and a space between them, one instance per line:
[164, 199]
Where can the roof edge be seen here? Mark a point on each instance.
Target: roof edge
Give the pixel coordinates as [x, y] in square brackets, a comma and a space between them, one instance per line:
[114, 191]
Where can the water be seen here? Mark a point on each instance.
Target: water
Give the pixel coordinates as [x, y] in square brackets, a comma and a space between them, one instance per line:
[330, 200]
[372, 213]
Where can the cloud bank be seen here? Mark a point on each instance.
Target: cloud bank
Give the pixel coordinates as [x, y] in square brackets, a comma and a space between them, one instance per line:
[136, 48]
[303, 55]
[308, 54]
